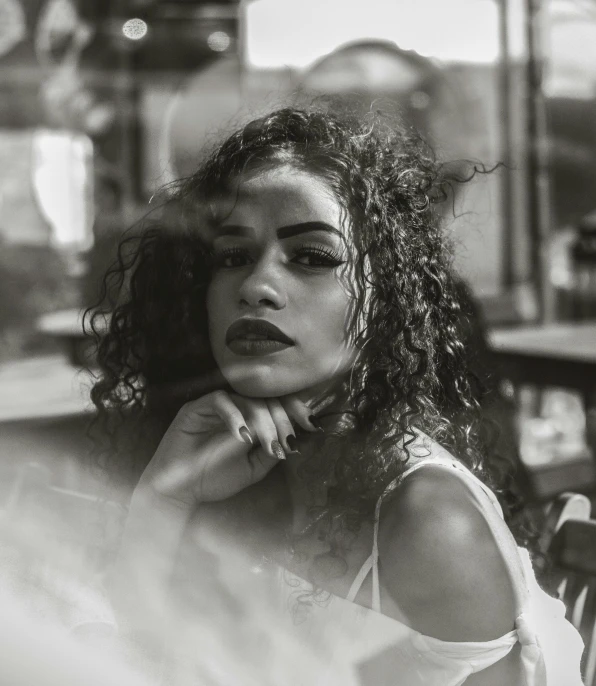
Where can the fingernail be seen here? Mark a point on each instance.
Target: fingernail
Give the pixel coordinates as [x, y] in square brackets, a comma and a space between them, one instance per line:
[315, 422]
[292, 444]
[277, 450]
[245, 433]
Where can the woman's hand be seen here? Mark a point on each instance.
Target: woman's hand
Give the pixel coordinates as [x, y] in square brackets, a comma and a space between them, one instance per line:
[222, 443]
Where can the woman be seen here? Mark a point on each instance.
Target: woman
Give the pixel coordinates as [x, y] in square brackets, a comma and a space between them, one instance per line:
[296, 326]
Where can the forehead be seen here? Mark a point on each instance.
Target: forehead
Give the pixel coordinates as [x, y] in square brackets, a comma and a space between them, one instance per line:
[280, 196]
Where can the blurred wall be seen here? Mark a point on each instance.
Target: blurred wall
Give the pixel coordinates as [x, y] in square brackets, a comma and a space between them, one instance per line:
[181, 122]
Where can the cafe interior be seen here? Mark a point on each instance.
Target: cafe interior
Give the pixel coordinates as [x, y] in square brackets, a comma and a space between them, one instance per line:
[105, 102]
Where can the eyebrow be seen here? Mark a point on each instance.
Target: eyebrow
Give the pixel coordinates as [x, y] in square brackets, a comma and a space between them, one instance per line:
[283, 232]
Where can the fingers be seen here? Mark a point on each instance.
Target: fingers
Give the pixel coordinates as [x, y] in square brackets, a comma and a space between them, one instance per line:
[283, 425]
[262, 423]
[231, 415]
[300, 413]
[267, 422]
[247, 419]
[210, 411]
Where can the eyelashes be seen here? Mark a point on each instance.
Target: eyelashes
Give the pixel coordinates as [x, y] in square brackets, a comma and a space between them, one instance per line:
[323, 256]
[229, 258]
[307, 256]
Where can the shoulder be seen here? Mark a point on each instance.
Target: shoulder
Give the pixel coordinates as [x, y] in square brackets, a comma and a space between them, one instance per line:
[440, 562]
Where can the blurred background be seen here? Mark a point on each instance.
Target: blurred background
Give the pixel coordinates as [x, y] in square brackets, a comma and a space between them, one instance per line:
[104, 101]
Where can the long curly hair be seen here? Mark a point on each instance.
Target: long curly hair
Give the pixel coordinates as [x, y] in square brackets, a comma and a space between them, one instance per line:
[412, 370]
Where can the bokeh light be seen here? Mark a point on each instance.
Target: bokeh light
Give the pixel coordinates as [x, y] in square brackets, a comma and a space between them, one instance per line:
[135, 29]
[218, 41]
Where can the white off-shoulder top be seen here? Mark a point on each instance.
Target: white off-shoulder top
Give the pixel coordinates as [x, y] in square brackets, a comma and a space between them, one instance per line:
[386, 652]
[363, 646]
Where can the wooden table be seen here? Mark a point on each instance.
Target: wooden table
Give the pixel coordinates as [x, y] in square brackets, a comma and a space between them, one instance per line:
[561, 355]
[66, 326]
[552, 355]
[43, 388]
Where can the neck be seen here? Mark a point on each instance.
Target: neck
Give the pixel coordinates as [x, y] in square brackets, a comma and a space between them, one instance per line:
[327, 404]
[303, 497]
[327, 396]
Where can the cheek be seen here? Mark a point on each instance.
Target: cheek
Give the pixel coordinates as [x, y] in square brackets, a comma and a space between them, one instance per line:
[330, 329]
[217, 306]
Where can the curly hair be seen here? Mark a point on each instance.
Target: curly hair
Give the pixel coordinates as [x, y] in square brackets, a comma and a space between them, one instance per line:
[412, 370]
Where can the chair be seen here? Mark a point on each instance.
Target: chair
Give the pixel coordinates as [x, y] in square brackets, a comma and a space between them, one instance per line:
[565, 506]
[573, 556]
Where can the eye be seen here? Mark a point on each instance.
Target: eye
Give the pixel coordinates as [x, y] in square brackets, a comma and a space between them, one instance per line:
[230, 258]
[317, 257]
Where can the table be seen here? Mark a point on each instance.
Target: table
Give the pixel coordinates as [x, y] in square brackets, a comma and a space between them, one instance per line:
[551, 355]
[66, 326]
[42, 388]
[561, 355]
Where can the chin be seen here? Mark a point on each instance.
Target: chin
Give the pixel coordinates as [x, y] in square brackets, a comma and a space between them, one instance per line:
[263, 383]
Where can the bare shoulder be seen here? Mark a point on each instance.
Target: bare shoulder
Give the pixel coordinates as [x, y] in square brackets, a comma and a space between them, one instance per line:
[440, 562]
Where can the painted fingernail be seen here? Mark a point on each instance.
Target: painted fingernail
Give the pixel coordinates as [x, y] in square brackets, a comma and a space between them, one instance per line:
[292, 444]
[245, 433]
[277, 450]
[315, 422]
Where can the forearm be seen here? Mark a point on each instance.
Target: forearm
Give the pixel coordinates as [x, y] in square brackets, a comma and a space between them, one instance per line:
[138, 584]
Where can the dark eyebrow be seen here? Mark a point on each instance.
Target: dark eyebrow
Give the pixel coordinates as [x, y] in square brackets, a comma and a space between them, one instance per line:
[305, 227]
[282, 232]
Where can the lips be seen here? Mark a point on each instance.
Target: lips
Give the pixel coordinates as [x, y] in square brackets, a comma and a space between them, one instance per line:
[256, 330]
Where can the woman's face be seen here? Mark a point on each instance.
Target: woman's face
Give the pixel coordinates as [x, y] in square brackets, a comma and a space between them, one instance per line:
[279, 301]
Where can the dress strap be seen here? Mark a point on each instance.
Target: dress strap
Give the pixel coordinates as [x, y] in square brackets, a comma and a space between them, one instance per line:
[371, 562]
[359, 579]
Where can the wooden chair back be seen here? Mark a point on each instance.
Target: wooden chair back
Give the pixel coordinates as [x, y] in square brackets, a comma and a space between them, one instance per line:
[564, 506]
[573, 555]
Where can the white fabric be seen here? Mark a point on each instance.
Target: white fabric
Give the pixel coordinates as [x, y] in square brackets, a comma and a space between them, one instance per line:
[551, 647]
[359, 641]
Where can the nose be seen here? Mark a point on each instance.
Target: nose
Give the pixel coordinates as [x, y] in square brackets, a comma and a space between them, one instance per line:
[263, 287]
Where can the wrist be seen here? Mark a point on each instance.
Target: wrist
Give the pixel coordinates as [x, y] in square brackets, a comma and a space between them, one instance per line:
[148, 500]
[154, 528]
